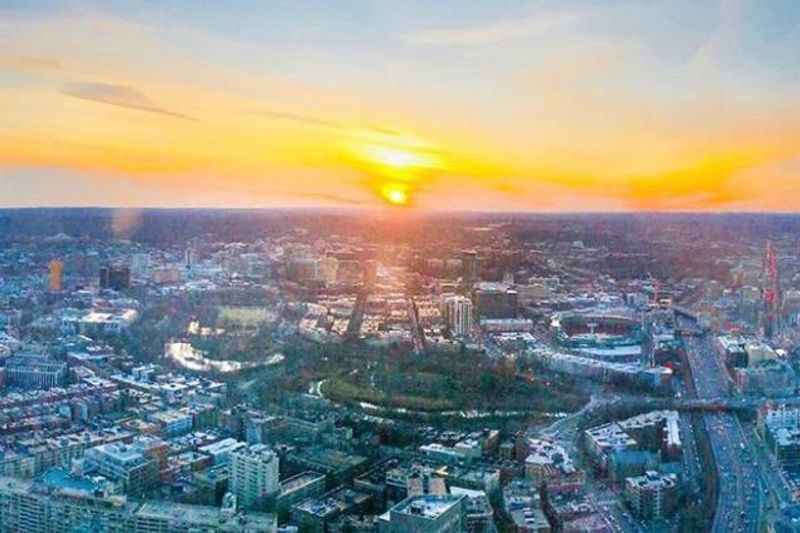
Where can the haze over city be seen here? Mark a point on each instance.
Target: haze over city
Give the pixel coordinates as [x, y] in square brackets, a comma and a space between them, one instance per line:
[545, 106]
[372, 266]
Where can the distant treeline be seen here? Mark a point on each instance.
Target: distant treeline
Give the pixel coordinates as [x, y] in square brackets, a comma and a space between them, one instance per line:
[168, 226]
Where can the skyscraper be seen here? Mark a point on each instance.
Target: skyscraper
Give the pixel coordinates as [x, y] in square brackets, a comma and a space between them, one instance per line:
[254, 475]
[56, 283]
[459, 315]
[469, 266]
[115, 277]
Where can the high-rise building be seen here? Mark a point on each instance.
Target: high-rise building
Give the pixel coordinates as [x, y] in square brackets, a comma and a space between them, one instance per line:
[189, 258]
[56, 275]
[652, 495]
[459, 315]
[254, 475]
[115, 277]
[495, 300]
[469, 266]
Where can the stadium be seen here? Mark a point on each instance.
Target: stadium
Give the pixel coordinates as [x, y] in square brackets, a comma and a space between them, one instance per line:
[602, 334]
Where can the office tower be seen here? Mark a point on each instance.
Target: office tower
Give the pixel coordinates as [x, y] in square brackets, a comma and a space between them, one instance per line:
[115, 277]
[469, 266]
[495, 300]
[254, 475]
[189, 258]
[56, 275]
[459, 315]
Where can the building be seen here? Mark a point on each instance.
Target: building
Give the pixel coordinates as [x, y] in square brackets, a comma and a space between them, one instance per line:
[254, 475]
[780, 426]
[56, 283]
[653, 495]
[338, 466]
[36, 507]
[35, 372]
[115, 277]
[96, 323]
[548, 463]
[313, 515]
[298, 488]
[771, 378]
[458, 310]
[495, 300]
[173, 423]
[140, 264]
[222, 450]
[469, 266]
[478, 512]
[136, 467]
[656, 432]
[523, 505]
[426, 514]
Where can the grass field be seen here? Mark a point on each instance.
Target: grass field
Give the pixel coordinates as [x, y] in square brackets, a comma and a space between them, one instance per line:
[245, 317]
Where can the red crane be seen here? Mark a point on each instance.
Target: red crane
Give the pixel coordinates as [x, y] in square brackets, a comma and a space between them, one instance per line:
[771, 292]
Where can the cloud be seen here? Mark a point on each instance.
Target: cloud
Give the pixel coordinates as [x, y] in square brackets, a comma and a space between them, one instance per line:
[29, 64]
[495, 32]
[120, 96]
[302, 119]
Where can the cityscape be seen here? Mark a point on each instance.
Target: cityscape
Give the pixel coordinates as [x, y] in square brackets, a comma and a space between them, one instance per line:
[347, 371]
[361, 266]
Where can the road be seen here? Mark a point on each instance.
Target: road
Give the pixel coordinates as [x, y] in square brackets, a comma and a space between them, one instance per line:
[739, 485]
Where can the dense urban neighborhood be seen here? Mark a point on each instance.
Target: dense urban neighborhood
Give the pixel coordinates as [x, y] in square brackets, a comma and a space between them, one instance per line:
[336, 371]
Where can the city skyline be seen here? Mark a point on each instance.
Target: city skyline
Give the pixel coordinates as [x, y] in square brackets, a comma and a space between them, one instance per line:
[540, 106]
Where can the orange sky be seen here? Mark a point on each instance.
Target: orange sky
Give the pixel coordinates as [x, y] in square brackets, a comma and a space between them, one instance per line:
[560, 107]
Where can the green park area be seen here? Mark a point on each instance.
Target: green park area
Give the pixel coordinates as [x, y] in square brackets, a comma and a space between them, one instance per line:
[447, 382]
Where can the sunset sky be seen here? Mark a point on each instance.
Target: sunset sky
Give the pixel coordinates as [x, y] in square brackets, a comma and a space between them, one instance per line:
[560, 105]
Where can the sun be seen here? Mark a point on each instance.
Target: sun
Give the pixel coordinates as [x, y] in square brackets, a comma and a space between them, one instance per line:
[397, 168]
[395, 193]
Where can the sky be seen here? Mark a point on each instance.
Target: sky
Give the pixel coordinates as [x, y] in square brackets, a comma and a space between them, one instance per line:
[547, 106]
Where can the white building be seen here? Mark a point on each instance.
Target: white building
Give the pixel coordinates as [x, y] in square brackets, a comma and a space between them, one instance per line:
[459, 315]
[254, 475]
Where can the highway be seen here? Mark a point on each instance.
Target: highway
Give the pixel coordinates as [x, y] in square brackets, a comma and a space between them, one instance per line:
[739, 486]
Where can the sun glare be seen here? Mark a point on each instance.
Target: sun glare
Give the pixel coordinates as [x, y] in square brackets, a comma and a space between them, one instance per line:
[397, 169]
[395, 193]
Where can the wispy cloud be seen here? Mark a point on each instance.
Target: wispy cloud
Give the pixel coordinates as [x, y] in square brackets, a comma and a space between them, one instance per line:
[302, 119]
[494, 32]
[307, 120]
[120, 96]
[29, 63]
